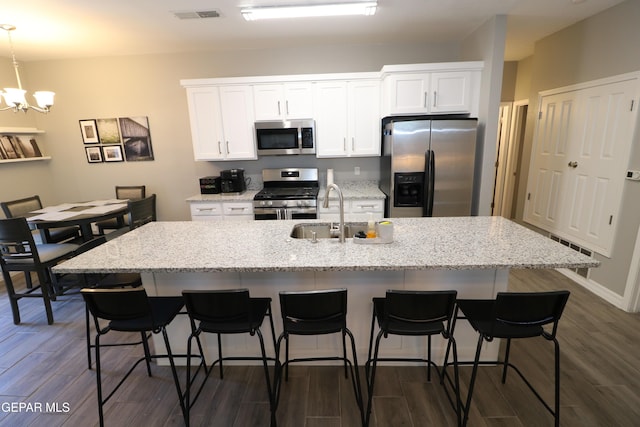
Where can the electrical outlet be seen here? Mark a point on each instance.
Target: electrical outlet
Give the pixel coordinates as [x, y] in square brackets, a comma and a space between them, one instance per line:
[356, 170]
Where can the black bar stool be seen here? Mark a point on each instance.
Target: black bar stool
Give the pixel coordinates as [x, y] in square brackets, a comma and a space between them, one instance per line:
[227, 312]
[514, 315]
[413, 313]
[317, 312]
[131, 310]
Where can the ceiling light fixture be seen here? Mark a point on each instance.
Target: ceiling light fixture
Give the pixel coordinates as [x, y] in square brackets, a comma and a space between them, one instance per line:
[366, 8]
[14, 97]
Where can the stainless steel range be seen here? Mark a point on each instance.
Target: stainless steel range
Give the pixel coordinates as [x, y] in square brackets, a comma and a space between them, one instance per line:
[290, 193]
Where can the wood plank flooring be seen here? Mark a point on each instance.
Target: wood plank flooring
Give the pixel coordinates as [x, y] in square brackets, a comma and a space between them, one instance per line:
[44, 367]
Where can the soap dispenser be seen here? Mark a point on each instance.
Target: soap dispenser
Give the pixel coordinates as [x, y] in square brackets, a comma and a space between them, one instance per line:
[371, 227]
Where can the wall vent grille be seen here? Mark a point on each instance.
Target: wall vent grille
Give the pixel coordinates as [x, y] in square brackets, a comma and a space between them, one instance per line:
[201, 14]
[584, 272]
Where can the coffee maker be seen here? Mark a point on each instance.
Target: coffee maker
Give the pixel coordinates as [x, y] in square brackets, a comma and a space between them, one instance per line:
[232, 181]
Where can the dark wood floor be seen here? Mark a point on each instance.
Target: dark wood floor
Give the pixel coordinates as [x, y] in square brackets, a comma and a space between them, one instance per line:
[44, 365]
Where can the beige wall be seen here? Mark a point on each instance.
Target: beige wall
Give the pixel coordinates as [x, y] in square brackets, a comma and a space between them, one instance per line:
[509, 78]
[602, 46]
[487, 44]
[149, 86]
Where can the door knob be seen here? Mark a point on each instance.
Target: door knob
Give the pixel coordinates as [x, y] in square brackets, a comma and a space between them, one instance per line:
[573, 164]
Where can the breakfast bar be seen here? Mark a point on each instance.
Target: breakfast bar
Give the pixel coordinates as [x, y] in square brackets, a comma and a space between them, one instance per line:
[472, 255]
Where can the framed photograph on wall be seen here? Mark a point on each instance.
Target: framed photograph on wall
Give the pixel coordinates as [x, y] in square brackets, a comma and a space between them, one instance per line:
[136, 138]
[112, 153]
[108, 131]
[89, 131]
[94, 154]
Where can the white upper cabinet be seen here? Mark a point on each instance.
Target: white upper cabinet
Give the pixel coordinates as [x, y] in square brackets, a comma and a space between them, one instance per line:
[450, 92]
[221, 122]
[431, 88]
[283, 101]
[347, 107]
[347, 117]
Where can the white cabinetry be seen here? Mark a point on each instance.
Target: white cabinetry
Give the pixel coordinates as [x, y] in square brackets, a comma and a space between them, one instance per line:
[217, 211]
[221, 122]
[431, 88]
[283, 101]
[347, 118]
[354, 210]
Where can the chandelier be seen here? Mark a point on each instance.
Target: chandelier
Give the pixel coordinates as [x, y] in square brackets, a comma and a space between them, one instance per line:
[14, 97]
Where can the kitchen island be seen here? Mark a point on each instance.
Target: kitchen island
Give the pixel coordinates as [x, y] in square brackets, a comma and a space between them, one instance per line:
[470, 254]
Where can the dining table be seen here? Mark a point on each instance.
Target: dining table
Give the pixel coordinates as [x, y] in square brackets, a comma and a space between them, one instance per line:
[81, 214]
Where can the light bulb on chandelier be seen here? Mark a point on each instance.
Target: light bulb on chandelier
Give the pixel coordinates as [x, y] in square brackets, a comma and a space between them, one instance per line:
[15, 97]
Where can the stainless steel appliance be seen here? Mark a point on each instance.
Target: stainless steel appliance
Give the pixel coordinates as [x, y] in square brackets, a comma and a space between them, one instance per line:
[427, 166]
[290, 193]
[232, 181]
[282, 137]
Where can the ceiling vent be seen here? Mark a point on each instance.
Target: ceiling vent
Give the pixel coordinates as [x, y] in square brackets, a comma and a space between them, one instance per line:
[200, 14]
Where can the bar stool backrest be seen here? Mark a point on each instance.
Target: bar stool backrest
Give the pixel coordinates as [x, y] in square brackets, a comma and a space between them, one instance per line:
[141, 211]
[530, 310]
[418, 307]
[219, 307]
[325, 308]
[117, 304]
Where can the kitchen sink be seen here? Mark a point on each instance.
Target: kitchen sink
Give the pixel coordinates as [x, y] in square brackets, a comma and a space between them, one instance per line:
[326, 230]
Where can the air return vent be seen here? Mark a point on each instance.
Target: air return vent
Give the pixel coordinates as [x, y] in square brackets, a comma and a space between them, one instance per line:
[584, 272]
[200, 14]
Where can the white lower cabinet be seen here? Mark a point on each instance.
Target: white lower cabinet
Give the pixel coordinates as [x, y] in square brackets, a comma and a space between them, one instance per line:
[218, 211]
[237, 211]
[354, 210]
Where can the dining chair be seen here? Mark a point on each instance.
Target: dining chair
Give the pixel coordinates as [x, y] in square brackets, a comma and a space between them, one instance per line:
[317, 312]
[141, 211]
[21, 207]
[131, 310]
[19, 252]
[413, 313]
[515, 315]
[223, 312]
[123, 192]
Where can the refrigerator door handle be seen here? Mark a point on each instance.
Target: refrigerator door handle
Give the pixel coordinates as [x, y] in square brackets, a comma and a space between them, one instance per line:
[429, 177]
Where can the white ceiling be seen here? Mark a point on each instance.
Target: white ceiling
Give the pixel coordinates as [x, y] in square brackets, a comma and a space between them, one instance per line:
[56, 29]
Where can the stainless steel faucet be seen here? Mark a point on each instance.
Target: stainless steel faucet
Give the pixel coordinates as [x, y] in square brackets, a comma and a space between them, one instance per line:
[330, 187]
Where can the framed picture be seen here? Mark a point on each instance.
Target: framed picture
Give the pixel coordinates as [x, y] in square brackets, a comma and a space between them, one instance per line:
[112, 153]
[136, 138]
[94, 154]
[89, 131]
[108, 131]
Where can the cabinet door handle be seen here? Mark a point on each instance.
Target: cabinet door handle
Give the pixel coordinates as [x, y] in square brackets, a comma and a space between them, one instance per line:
[435, 95]
[219, 147]
[204, 209]
[426, 95]
[287, 106]
[228, 152]
[344, 143]
[237, 209]
[353, 143]
[279, 112]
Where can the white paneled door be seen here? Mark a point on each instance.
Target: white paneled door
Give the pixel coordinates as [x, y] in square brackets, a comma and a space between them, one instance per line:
[577, 174]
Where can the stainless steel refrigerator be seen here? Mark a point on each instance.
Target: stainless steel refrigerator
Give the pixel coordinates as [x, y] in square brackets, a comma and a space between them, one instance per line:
[427, 166]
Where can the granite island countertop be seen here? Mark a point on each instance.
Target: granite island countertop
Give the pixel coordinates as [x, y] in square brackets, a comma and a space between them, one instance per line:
[458, 243]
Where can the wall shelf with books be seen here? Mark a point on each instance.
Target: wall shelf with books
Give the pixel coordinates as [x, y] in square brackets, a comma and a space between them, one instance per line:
[18, 144]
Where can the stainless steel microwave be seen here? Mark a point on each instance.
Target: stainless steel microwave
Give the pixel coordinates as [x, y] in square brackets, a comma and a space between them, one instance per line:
[285, 137]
